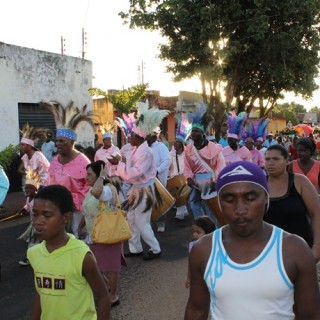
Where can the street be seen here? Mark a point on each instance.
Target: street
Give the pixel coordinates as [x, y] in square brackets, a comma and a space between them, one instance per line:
[150, 290]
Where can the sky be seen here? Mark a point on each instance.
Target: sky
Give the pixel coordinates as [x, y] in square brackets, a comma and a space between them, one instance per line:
[115, 50]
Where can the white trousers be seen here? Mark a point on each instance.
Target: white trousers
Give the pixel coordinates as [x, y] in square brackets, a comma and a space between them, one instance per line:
[139, 222]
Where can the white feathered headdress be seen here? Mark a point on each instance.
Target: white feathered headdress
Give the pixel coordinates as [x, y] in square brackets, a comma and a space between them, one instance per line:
[148, 119]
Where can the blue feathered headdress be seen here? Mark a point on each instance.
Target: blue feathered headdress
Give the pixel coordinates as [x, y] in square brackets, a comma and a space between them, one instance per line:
[256, 130]
[236, 124]
[183, 127]
[197, 118]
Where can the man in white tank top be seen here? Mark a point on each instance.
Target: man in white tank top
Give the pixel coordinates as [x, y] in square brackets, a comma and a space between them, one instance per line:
[249, 269]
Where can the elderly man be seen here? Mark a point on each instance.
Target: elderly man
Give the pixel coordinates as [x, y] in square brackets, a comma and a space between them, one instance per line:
[106, 151]
[250, 269]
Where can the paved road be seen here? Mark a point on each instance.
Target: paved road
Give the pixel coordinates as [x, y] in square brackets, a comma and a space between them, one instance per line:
[148, 290]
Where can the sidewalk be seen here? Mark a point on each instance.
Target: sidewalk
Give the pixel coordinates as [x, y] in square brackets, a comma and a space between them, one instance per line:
[12, 204]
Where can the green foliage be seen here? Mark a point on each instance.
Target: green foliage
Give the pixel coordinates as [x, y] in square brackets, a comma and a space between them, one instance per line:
[289, 111]
[125, 100]
[7, 156]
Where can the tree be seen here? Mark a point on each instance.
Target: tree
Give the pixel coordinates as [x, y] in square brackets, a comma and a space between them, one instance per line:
[287, 111]
[255, 50]
[125, 100]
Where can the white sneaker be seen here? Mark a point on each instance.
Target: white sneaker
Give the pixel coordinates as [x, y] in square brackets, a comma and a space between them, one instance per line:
[161, 229]
[24, 262]
[179, 217]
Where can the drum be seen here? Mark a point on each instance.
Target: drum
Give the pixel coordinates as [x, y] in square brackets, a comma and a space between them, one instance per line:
[211, 200]
[178, 188]
[165, 198]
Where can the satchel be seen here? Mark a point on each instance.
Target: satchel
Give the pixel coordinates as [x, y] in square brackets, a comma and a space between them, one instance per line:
[110, 226]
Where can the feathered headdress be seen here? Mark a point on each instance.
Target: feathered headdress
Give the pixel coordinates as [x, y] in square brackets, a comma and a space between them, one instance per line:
[126, 123]
[67, 119]
[236, 124]
[148, 119]
[31, 135]
[183, 127]
[32, 178]
[256, 130]
[197, 118]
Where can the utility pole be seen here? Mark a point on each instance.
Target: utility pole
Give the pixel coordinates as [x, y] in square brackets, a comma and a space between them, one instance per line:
[142, 76]
[63, 45]
[84, 42]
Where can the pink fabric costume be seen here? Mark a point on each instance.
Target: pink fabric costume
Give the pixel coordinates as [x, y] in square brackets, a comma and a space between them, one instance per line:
[241, 154]
[103, 154]
[257, 158]
[39, 164]
[72, 175]
[312, 175]
[211, 154]
[140, 171]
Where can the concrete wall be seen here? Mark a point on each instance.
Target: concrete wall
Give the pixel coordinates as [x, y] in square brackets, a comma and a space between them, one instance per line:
[31, 76]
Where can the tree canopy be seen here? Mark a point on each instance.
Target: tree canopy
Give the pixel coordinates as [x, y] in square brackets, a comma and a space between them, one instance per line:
[124, 100]
[254, 50]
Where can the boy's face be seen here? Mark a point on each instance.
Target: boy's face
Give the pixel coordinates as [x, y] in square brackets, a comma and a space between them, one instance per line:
[48, 220]
[30, 190]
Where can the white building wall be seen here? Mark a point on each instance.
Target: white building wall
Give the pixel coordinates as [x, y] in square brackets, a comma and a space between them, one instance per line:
[31, 76]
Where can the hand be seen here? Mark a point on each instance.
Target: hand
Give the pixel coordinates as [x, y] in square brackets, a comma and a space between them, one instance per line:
[104, 171]
[113, 160]
[124, 159]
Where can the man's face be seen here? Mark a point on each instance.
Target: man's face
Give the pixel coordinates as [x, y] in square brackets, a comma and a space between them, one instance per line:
[233, 143]
[196, 134]
[107, 142]
[243, 205]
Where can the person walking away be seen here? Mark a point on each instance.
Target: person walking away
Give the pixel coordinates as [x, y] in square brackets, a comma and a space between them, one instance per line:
[249, 269]
[66, 275]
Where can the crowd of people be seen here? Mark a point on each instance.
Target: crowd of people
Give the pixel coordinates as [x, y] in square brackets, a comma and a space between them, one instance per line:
[254, 203]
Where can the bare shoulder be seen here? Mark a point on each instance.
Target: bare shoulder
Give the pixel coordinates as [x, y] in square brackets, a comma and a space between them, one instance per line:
[297, 256]
[201, 249]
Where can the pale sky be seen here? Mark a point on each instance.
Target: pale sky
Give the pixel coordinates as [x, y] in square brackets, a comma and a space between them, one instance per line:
[115, 51]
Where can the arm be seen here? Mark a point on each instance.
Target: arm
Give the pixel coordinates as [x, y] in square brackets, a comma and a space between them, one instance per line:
[301, 268]
[165, 159]
[199, 299]
[100, 291]
[36, 311]
[21, 168]
[312, 201]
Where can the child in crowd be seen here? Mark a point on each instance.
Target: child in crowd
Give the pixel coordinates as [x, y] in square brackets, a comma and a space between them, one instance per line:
[31, 188]
[66, 275]
[201, 226]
